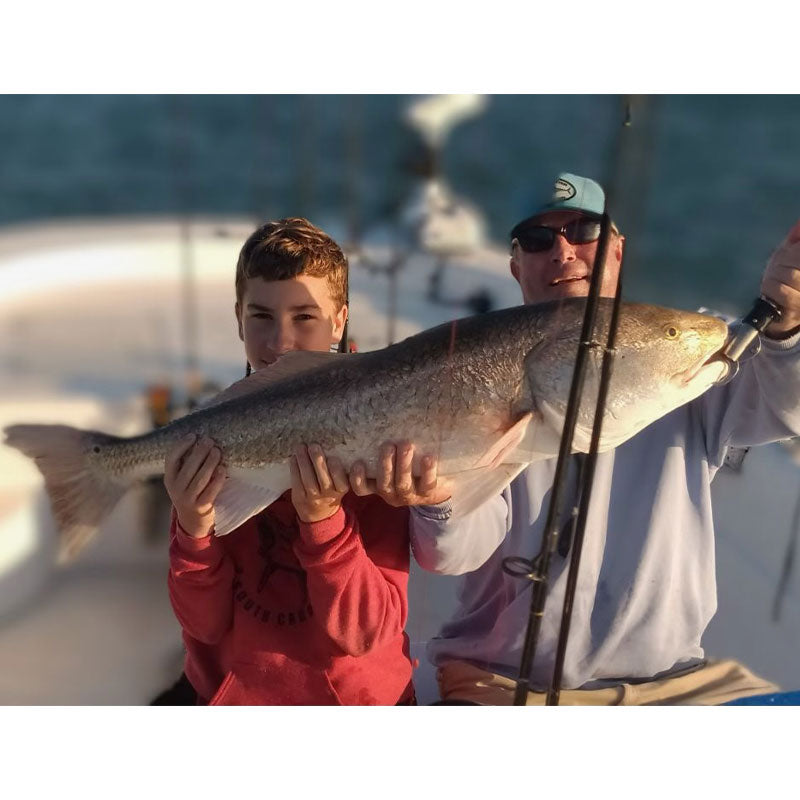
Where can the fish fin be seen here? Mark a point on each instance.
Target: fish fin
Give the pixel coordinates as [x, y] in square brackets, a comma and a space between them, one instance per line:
[506, 444]
[81, 495]
[539, 441]
[474, 487]
[288, 365]
[240, 499]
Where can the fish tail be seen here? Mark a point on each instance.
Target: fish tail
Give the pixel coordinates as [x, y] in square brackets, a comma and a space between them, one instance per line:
[82, 494]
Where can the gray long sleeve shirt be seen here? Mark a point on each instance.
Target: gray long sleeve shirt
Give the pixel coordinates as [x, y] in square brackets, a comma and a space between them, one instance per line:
[646, 589]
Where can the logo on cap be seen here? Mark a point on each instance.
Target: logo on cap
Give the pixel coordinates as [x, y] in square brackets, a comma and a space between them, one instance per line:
[564, 190]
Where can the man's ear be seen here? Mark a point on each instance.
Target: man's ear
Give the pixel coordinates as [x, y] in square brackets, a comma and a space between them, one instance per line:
[236, 311]
[620, 246]
[513, 265]
[339, 320]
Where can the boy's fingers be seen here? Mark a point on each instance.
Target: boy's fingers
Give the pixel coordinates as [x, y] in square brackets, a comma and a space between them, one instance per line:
[192, 462]
[204, 473]
[294, 471]
[358, 480]
[209, 495]
[320, 464]
[308, 476]
[175, 454]
[338, 475]
[386, 462]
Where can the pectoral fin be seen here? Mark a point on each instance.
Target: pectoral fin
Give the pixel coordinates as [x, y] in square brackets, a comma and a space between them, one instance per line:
[245, 493]
[500, 451]
[473, 488]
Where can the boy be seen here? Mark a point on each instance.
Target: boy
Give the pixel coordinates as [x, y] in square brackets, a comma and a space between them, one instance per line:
[306, 602]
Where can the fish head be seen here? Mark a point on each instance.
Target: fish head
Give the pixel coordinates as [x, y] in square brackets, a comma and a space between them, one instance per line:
[663, 358]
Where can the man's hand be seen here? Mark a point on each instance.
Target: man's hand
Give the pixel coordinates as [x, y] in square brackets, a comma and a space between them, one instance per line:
[194, 477]
[395, 482]
[318, 483]
[781, 284]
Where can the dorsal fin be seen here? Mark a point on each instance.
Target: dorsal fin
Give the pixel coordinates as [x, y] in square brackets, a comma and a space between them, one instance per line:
[287, 366]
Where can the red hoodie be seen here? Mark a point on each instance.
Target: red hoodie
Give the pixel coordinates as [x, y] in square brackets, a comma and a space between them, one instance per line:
[283, 612]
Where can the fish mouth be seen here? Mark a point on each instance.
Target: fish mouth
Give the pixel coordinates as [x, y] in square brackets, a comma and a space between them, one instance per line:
[705, 366]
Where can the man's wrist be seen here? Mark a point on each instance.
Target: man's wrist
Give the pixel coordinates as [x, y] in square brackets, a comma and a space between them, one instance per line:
[439, 511]
[781, 335]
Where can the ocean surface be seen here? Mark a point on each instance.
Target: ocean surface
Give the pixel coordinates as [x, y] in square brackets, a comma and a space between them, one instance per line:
[705, 186]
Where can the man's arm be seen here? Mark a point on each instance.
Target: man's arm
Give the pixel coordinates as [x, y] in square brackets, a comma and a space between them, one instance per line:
[453, 547]
[439, 543]
[762, 404]
[781, 284]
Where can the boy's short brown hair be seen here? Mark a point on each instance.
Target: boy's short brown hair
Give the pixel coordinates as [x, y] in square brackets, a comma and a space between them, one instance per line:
[289, 247]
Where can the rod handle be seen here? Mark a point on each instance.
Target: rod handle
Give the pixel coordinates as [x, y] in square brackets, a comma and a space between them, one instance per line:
[755, 322]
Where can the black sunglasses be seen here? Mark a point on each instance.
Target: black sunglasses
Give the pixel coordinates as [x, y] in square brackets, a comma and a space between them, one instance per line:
[539, 238]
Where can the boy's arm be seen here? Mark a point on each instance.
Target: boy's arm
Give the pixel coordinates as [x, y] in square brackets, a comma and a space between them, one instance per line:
[200, 584]
[200, 580]
[359, 598]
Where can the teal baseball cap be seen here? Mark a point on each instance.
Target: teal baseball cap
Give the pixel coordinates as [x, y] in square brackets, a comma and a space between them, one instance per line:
[570, 193]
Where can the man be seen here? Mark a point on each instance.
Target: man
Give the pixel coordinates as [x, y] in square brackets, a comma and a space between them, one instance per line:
[646, 589]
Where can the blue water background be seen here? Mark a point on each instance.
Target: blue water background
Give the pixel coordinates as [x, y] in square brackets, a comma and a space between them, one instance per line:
[717, 187]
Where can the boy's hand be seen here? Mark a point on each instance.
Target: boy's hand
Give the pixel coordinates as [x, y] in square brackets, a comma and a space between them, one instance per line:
[318, 483]
[395, 482]
[194, 477]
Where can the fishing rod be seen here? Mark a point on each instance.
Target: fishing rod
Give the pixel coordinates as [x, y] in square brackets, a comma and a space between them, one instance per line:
[537, 569]
[586, 478]
[585, 492]
[753, 324]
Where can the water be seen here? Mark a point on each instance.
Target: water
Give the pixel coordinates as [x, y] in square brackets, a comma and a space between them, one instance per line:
[716, 191]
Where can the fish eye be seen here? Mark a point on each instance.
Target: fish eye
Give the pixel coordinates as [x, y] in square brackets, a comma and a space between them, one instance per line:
[671, 332]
